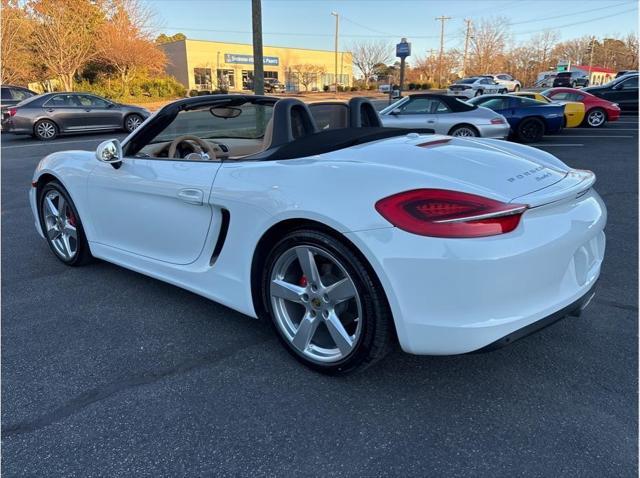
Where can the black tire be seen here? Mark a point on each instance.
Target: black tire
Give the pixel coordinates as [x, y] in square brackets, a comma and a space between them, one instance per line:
[45, 130]
[530, 130]
[467, 127]
[573, 84]
[378, 333]
[478, 93]
[83, 253]
[132, 122]
[595, 118]
[517, 88]
[504, 91]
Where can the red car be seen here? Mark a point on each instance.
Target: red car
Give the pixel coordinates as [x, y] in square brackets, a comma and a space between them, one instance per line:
[597, 111]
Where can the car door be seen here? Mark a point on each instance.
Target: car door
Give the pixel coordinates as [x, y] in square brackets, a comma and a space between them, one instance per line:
[625, 93]
[417, 112]
[65, 111]
[152, 207]
[99, 113]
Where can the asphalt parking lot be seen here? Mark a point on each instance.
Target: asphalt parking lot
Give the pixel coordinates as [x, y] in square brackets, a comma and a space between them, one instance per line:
[110, 373]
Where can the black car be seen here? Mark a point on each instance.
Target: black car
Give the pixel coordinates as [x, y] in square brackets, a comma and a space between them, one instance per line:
[12, 95]
[571, 79]
[625, 72]
[45, 116]
[622, 90]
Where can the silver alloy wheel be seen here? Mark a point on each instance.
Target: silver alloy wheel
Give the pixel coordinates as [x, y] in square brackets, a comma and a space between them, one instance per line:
[315, 304]
[596, 118]
[46, 129]
[133, 121]
[60, 225]
[465, 132]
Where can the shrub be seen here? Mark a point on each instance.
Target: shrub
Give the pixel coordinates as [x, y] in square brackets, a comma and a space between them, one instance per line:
[371, 87]
[426, 86]
[354, 88]
[412, 86]
[325, 88]
[193, 92]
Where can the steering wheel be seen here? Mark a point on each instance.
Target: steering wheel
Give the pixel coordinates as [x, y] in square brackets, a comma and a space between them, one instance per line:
[200, 146]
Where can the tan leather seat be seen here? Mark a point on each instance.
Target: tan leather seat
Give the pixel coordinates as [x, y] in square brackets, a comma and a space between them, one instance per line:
[268, 135]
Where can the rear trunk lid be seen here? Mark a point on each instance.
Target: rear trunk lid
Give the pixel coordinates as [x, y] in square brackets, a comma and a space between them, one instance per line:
[470, 166]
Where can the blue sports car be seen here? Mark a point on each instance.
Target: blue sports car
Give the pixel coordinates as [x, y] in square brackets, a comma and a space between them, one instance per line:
[529, 119]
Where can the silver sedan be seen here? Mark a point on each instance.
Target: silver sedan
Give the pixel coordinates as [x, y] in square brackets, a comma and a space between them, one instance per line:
[445, 115]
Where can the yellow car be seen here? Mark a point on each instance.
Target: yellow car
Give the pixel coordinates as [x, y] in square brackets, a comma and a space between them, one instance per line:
[573, 110]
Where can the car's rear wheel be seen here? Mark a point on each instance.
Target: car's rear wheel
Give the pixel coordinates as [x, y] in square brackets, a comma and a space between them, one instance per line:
[464, 131]
[596, 118]
[45, 130]
[530, 130]
[478, 93]
[132, 121]
[503, 91]
[517, 88]
[61, 225]
[326, 307]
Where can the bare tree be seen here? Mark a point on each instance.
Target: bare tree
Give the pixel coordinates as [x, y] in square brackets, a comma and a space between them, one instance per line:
[64, 35]
[306, 74]
[124, 42]
[631, 46]
[576, 51]
[488, 45]
[367, 54]
[544, 43]
[15, 30]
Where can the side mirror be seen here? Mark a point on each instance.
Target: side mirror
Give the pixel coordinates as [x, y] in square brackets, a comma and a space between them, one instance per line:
[110, 151]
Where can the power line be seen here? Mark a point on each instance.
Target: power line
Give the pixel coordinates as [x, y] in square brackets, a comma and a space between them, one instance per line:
[572, 14]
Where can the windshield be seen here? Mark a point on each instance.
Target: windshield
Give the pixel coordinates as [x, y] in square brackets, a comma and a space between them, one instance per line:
[247, 121]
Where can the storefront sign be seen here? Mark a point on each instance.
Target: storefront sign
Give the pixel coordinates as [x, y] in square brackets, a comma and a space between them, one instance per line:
[248, 59]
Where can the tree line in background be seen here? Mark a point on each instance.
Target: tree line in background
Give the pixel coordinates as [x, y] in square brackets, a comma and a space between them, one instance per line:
[491, 50]
[102, 46]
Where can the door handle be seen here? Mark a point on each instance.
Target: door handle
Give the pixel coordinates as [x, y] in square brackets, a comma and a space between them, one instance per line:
[191, 196]
[430, 121]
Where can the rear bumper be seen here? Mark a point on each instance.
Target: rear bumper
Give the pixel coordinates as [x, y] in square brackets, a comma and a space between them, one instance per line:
[572, 310]
[496, 131]
[454, 296]
[468, 93]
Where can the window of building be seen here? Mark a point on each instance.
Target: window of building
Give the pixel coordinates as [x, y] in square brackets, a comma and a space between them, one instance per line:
[247, 79]
[271, 74]
[202, 78]
[226, 79]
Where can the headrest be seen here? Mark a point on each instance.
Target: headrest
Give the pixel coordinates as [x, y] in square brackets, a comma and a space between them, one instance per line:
[362, 114]
[291, 120]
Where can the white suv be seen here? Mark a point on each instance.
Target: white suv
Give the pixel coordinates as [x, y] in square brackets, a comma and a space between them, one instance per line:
[507, 80]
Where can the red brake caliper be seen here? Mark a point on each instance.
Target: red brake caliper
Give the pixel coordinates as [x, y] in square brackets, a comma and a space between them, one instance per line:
[72, 219]
[303, 281]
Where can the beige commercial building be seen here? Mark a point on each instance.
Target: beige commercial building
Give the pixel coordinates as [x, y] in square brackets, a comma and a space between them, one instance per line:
[208, 65]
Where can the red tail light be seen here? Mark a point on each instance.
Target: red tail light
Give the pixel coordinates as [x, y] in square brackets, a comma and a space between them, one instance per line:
[444, 213]
[12, 111]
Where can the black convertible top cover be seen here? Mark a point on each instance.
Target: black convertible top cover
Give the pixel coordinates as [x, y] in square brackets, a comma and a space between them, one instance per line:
[331, 140]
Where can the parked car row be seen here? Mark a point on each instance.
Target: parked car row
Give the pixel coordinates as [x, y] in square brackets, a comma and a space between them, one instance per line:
[48, 115]
[524, 116]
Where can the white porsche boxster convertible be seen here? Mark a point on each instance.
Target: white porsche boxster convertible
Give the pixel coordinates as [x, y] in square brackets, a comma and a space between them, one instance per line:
[350, 239]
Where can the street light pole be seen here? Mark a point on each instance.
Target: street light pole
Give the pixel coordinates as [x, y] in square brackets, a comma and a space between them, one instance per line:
[466, 47]
[258, 61]
[442, 19]
[335, 14]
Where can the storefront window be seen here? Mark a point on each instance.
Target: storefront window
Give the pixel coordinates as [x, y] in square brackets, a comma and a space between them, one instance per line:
[226, 79]
[202, 78]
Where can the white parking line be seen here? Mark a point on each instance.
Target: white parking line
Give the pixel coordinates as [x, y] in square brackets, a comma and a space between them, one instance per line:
[597, 136]
[555, 145]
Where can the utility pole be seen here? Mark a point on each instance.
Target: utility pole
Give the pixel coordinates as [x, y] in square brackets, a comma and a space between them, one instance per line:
[335, 14]
[442, 19]
[593, 40]
[258, 59]
[466, 47]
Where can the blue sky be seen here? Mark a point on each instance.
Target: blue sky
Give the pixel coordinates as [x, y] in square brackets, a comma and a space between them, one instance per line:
[309, 24]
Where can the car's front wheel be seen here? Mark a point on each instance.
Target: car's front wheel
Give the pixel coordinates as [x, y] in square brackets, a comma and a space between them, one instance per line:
[326, 306]
[45, 130]
[596, 118]
[61, 225]
[530, 130]
[132, 122]
[478, 93]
